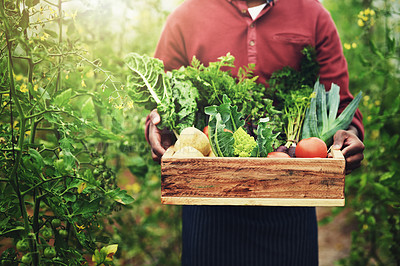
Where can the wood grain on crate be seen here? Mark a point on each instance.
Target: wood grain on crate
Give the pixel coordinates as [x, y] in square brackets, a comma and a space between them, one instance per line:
[253, 181]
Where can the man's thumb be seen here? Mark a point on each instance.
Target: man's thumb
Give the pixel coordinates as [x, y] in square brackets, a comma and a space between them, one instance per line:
[155, 117]
[338, 140]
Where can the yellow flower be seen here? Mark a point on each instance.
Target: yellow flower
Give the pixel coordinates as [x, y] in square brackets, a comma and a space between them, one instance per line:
[366, 98]
[90, 74]
[372, 13]
[66, 76]
[80, 227]
[347, 46]
[18, 77]
[130, 104]
[36, 87]
[23, 88]
[360, 23]
[136, 188]
[367, 11]
[375, 134]
[377, 102]
[354, 45]
[83, 84]
[119, 106]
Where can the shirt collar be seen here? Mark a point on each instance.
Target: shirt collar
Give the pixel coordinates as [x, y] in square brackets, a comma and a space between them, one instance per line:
[268, 1]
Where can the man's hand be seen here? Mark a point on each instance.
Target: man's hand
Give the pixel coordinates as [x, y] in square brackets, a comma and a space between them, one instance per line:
[351, 146]
[159, 140]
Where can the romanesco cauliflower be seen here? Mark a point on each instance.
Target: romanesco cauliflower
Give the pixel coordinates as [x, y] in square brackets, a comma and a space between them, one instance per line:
[244, 143]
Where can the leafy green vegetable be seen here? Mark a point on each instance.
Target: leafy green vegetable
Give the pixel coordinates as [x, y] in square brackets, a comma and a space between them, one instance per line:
[294, 114]
[321, 117]
[174, 96]
[244, 143]
[215, 80]
[224, 119]
[283, 82]
[266, 136]
[291, 90]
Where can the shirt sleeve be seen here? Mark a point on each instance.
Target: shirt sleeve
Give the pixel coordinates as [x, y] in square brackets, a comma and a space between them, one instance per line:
[333, 65]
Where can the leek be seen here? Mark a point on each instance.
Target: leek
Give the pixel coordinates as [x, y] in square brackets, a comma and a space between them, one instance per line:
[321, 119]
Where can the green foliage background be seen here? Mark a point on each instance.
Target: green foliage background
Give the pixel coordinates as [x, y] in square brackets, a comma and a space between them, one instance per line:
[147, 232]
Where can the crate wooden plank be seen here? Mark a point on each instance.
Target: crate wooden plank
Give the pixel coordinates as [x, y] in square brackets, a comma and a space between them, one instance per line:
[252, 201]
[253, 181]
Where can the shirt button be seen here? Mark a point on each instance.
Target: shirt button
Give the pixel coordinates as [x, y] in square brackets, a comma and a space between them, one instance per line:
[252, 43]
[252, 25]
[244, 11]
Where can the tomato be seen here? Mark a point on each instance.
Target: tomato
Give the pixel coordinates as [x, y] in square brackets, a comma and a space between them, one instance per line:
[96, 172]
[27, 258]
[56, 222]
[278, 154]
[50, 252]
[47, 234]
[101, 160]
[311, 148]
[227, 130]
[63, 233]
[22, 245]
[205, 130]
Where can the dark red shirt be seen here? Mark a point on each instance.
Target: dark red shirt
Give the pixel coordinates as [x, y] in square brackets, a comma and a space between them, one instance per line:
[209, 29]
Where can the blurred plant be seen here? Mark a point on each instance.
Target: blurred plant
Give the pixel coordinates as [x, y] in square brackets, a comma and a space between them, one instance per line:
[373, 191]
[56, 182]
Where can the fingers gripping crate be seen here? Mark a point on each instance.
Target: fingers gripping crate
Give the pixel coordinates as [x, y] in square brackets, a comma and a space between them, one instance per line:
[253, 181]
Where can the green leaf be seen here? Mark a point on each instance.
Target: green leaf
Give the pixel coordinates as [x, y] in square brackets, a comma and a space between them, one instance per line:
[51, 33]
[224, 120]
[333, 103]
[137, 165]
[39, 162]
[69, 197]
[24, 22]
[375, 50]
[120, 196]
[88, 109]
[146, 81]
[63, 98]
[86, 208]
[265, 137]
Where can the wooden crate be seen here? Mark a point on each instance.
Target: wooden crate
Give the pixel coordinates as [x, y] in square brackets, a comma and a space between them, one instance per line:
[253, 181]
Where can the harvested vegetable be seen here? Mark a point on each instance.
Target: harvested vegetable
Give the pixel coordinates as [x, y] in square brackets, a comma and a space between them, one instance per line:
[311, 148]
[187, 152]
[244, 144]
[195, 138]
[321, 119]
[175, 99]
[291, 89]
[278, 154]
[225, 119]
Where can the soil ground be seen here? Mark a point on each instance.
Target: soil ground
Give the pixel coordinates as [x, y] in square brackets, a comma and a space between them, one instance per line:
[334, 238]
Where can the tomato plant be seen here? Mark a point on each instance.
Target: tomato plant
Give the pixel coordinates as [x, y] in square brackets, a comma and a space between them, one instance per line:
[51, 128]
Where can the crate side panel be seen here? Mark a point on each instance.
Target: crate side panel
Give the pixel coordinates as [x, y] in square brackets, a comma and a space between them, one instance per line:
[251, 179]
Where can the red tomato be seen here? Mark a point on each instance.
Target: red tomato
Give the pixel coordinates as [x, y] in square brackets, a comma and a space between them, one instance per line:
[278, 154]
[311, 148]
[205, 130]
